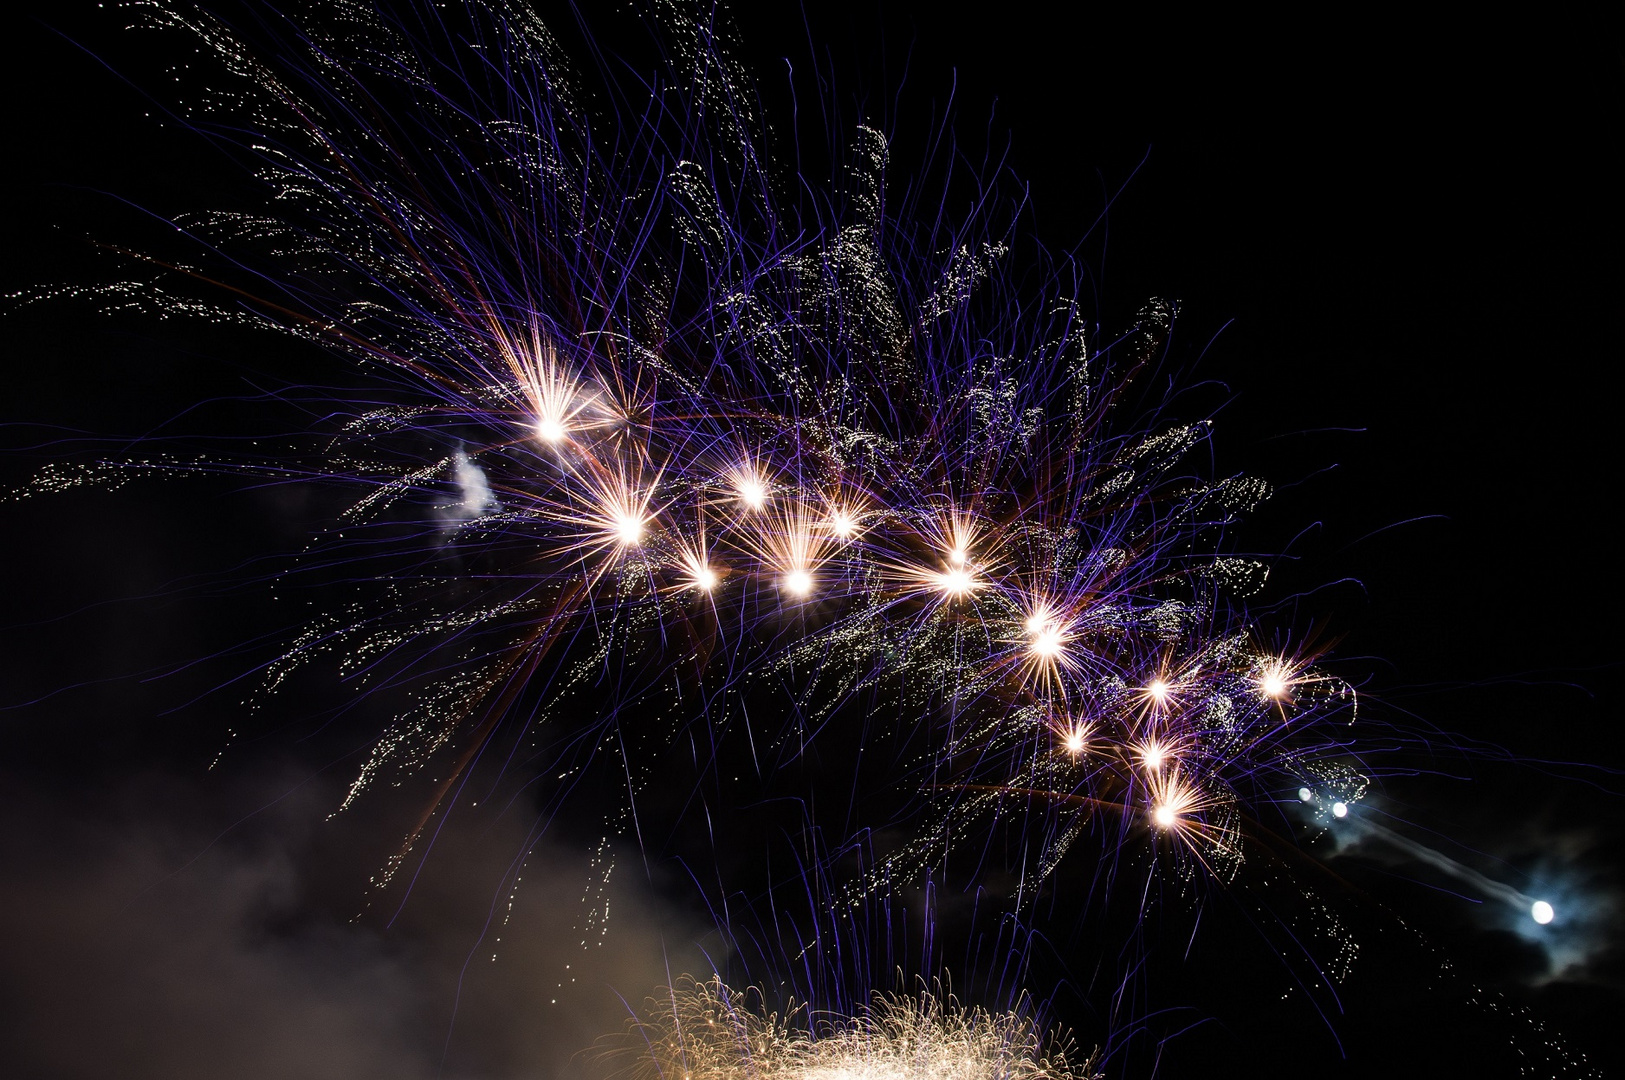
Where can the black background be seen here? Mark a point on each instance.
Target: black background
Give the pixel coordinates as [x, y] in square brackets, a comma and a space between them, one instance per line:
[1408, 230]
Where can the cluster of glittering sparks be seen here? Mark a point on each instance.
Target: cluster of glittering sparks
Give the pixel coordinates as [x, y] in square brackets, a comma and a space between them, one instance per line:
[1164, 717]
[708, 1031]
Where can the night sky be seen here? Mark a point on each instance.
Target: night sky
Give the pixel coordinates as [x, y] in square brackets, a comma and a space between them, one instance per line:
[1396, 247]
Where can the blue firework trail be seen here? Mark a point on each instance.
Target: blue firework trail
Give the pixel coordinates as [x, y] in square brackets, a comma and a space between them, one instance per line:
[696, 487]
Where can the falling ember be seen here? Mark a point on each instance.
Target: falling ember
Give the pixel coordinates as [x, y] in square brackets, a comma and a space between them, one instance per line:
[553, 391]
[629, 528]
[750, 489]
[842, 525]
[1273, 683]
[1047, 645]
[619, 516]
[1173, 802]
[956, 582]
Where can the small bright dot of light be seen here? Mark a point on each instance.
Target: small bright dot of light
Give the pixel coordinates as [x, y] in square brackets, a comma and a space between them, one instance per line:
[754, 494]
[628, 529]
[1036, 622]
[1074, 742]
[550, 430]
[1273, 685]
[956, 582]
[1164, 815]
[798, 582]
[1158, 689]
[1305, 794]
[957, 556]
[842, 526]
[1153, 757]
[1047, 644]
[705, 578]
[1340, 809]
[1542, 912]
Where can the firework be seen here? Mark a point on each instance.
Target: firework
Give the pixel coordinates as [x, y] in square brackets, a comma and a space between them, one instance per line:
[668, 433]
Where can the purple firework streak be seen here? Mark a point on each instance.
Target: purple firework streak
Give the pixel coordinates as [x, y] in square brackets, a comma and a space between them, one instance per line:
[684, 467]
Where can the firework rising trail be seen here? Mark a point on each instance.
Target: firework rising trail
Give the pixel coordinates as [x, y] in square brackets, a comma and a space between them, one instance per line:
[688, 467]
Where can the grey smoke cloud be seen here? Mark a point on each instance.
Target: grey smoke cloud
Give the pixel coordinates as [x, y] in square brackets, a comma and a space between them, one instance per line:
[120, 960]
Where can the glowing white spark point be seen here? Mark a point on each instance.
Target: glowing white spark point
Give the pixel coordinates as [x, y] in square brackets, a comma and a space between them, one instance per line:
[1152, 756]
[1074, 743]
[1542, 912]
[1047, 644]
[956, 582]
[1273, 684]
[842, 525]
[1305, 794]
[1158, 689]
[752, 492]
[1037, 621]
[628, 528]
[957, 556]
[1164, 816]
[705, 578]
[798, 582]
[550, 429]
[1340, 810]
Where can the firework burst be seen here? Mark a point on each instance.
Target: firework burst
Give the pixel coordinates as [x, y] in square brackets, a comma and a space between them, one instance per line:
[670, 430]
